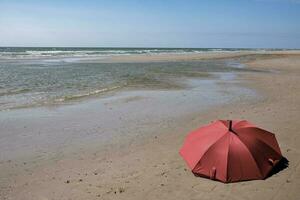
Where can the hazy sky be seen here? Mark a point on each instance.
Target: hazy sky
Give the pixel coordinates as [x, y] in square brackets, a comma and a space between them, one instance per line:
[151, 23]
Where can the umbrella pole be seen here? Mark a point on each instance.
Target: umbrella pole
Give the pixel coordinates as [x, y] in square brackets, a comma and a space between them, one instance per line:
[230, 126]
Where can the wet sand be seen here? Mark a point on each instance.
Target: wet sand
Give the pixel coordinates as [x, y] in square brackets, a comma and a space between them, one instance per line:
[193, 56]
[126, 146]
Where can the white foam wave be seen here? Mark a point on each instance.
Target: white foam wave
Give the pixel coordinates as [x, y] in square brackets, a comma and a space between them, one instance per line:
[66, 53]
[95, 92]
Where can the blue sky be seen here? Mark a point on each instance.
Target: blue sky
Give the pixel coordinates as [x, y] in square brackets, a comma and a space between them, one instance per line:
[151, 23]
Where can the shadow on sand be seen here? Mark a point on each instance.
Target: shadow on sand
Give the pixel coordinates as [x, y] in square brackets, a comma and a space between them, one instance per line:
[281, 165]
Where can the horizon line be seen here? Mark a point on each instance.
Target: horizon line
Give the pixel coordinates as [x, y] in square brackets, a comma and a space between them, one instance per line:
[133, 47]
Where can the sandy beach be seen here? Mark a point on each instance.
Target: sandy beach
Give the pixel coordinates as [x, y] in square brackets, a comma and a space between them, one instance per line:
[125, 145]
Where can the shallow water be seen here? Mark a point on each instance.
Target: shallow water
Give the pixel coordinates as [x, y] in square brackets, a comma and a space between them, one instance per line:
[40, 81]
[111, 120]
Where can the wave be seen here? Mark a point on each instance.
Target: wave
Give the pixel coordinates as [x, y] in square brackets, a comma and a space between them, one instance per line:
[32, 53]
[13, 92]
[83, 95]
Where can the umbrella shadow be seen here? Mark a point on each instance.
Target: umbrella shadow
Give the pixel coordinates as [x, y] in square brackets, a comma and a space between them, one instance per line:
[281, 165]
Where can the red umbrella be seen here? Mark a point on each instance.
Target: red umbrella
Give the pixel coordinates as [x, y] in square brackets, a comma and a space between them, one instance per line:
[231, 151]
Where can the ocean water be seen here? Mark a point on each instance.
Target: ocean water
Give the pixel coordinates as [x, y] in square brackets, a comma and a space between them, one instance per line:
[29, 78]
[61, 52]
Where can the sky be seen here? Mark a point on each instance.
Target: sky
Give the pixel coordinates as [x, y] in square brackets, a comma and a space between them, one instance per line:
[151, 23]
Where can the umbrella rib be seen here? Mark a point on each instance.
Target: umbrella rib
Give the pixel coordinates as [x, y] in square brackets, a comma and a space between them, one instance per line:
[255, 161]
[241, 169]
[210, 148]
[266, 143]
[268, 146]
[224, 125]
[262, 140]
[228, 159]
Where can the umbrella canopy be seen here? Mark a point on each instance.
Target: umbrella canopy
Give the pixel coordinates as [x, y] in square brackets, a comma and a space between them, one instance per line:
[230, 151]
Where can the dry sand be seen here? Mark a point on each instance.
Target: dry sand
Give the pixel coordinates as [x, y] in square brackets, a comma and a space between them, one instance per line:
[151, 168]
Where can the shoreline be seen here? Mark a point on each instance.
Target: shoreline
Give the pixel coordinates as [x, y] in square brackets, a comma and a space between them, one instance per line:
[160, 57]
[152, 169]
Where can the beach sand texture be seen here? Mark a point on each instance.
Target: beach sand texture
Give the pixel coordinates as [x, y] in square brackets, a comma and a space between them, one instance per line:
[148, 166]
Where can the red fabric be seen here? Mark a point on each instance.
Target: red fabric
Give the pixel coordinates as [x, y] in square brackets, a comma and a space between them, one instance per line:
[231, 151]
